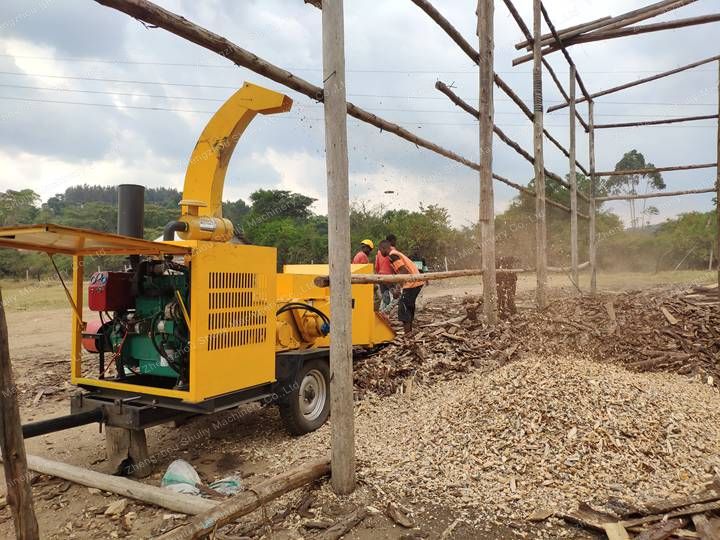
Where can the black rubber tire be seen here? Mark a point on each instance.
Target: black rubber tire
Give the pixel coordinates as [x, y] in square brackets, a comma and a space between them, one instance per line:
[290, 407]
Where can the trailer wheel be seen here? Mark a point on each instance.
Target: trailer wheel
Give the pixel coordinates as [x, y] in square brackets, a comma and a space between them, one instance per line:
[307, 406]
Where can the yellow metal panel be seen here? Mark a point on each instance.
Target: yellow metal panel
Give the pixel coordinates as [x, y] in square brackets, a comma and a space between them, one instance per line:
[51, 238]
[232, 317]
[205, 176]
[150, 390]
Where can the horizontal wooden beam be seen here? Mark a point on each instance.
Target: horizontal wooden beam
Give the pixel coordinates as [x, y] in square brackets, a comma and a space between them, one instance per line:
[623, 19]
[662, 121]
[367, 279]
[650, 170]
[457, 100]
[638, 82]
[625, 32]
[654, 195]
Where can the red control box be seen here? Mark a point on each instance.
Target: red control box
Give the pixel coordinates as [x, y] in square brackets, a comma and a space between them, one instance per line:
[110, 291]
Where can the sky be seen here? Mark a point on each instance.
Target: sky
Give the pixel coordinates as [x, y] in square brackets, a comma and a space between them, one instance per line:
[89, 95]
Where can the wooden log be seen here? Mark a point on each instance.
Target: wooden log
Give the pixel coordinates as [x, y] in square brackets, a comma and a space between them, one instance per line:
[17, 480]
[345, 525]
[704, 528]
[258, 495]
[717, 190]
[650, 170]
[605, 22]
[662, 530]
[687, 511]
[457, 100]
[592, 232]
[615, 531]
[526, 31]
[453, 33]
[658, 122]
[338, 190]
[486, 116]
[560, 44]
[540, 224]
[573, 184]
[654, 195]
[624, 32]
[638, 82]
[164, 498]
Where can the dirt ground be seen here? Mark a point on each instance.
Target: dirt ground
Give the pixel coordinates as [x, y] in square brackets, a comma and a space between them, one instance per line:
[253, 444]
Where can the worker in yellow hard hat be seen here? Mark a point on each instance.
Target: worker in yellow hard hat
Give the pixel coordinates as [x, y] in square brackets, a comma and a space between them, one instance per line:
[361, 257]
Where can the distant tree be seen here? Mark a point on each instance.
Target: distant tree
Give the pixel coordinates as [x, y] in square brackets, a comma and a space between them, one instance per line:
[633, 184]
[276, 203]
[18, 207]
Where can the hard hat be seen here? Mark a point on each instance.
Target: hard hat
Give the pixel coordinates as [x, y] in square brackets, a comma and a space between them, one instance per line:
[368, 243]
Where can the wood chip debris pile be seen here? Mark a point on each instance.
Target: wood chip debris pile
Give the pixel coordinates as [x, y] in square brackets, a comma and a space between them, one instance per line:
[650, 330]
[542, 434]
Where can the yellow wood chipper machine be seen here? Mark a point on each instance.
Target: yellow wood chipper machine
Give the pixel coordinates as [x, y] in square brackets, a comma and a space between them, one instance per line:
[201, 321]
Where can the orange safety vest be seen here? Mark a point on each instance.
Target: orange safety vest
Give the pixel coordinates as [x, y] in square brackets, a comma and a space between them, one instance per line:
[401, 261]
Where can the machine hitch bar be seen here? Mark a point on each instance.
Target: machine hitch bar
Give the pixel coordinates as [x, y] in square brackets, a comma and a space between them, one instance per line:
[51, 425]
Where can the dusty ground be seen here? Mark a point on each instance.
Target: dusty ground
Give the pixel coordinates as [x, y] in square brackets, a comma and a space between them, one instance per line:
[255, 445]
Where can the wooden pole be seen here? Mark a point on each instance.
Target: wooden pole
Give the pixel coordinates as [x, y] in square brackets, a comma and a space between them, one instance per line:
[659, 122]
[336, 157]
[457, 100]
[638, 82]
[592, 246]
[623, 19]
[12, 445]
[486, 114]
[655, 195]
[717, 188]
[573, 185]
[649, 170]
[257, 496]
[541, 226]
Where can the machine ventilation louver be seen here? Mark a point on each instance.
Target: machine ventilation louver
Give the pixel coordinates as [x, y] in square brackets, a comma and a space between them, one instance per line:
[238, 309]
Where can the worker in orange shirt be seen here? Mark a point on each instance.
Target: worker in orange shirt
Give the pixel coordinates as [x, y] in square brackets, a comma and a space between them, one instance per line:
[383, 266]
[401, 264]
[361, 257]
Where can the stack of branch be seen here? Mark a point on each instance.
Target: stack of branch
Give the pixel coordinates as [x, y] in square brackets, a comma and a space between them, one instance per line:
[696, 516]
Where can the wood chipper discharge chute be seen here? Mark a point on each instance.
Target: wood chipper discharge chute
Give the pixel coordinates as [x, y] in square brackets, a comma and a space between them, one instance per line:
[204, 322]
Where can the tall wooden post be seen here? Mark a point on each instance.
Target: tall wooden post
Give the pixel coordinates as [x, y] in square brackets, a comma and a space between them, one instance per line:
[485, 31]
[541, 226]
[592, 243]
[717, 188]
[12, 445]
[573, 185]
[336, 159]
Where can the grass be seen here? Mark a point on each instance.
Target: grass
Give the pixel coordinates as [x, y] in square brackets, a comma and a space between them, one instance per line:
[33, 295]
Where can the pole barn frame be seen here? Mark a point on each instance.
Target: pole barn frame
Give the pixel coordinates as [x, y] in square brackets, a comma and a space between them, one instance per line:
[333, 96]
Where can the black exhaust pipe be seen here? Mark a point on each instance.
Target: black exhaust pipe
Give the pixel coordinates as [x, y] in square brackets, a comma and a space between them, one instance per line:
[131, 210]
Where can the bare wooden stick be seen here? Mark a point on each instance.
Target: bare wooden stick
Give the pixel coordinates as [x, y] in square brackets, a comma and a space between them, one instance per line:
[717, 190]
[560, 44]
[641, 81]
[338, 190]
[655, 195]
[540, 215]
[658, 122]
[486, 125]
[394, 279]
[258, 495]
[573, 184]
[528, 113]
[592, 240]
[177, 502]
[17, 480]
[457, 100]
[625, 32]
[649, 170]
[526, 31]
[571, 32]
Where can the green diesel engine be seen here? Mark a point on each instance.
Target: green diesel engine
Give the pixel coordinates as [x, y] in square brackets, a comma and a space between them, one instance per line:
[143, 328]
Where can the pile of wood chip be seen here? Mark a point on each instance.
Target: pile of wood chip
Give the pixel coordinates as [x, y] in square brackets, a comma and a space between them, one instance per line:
[539, 435]
[650, 330]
